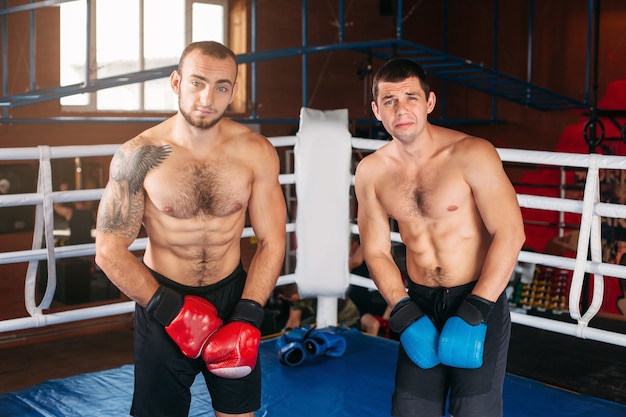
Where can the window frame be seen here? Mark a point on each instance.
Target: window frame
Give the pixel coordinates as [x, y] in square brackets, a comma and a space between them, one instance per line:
[91, 59]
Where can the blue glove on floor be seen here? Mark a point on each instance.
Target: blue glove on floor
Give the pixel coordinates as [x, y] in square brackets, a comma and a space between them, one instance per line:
[321, 342]
[290, 347]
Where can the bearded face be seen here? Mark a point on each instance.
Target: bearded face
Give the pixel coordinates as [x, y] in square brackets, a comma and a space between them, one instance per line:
[205, 87]
[199, 122]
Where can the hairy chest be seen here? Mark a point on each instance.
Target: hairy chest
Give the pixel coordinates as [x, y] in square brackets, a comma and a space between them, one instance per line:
[433, 194]
[186, 189]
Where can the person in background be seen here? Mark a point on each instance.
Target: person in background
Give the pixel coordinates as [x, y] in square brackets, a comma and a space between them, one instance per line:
[372, 307]
[5, 186]
[459, 218]
[6, 213]
[192, 181]
[302, 312]
[376, 325]
[80, 220]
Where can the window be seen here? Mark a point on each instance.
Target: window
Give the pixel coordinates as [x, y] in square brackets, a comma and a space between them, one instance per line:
[129, 36]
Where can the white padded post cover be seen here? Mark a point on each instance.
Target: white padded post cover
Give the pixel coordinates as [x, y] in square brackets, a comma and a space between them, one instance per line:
[322, 153]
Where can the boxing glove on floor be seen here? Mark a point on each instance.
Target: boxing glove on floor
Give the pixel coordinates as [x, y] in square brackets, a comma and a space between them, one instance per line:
[418, 334]
[231, 352]
[320, 342]
[462, 340]
[188, 320]
[290, 347]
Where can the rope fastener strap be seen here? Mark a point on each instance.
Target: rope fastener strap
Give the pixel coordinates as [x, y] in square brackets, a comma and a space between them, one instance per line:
[44, 226]
[589, 229]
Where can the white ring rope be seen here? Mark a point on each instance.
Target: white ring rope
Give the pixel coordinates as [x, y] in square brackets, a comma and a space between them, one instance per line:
[24, 154]
[590, 208]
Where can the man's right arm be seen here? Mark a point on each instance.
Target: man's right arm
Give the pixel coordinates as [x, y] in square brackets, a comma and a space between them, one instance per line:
[375, 237]
[418, 335]
[188, 320]
[118, 223]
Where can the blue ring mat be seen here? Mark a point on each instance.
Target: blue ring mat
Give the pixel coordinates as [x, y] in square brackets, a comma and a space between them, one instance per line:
[360, 383]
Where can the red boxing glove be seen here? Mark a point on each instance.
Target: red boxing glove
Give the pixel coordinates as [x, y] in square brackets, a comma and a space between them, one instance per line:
[189, 320]
[232, 351]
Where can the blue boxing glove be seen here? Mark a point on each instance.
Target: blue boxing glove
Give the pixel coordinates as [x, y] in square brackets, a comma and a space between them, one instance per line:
[462, 340]
[290, 347]
[320, 342]
[418, 334]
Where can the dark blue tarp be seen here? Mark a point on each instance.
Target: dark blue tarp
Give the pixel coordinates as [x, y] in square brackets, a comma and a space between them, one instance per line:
[358, 384]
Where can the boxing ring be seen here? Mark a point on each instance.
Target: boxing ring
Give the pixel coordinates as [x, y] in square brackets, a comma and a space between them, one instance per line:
[290, 390]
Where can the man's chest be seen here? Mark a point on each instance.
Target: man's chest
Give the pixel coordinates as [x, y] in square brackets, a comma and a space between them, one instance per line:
[192, 189]
[431, 195]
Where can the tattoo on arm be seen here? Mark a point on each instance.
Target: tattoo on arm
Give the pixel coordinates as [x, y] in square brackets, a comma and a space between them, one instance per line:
[124, 197]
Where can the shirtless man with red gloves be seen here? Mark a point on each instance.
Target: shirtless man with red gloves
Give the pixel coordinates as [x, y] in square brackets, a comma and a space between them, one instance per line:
[190, 181]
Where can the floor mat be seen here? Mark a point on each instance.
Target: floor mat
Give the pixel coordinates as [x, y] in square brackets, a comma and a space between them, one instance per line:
[359, 383]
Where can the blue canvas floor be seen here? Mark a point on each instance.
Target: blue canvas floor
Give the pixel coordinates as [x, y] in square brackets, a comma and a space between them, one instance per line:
[358, 384]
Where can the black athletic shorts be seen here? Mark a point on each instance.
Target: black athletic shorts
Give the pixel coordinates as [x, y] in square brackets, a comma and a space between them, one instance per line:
[472, 392]
[163, 375]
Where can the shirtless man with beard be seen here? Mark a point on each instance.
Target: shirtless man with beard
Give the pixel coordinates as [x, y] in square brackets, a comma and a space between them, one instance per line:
[190, 181]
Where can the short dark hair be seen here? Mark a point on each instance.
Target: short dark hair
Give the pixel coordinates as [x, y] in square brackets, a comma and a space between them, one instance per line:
[210, 48]
[399, 69]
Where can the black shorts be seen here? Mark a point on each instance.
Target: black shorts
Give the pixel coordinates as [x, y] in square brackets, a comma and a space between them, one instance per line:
[472, 392]
[163, 375]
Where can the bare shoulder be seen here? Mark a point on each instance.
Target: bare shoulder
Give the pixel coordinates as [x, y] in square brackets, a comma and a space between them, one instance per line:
[479, 160]
[145, 144]
[368, 164]
[154, 136]
[133, 145]
[470, 147]
[251, 146]
[373, 167]
[379, 156]
[244, 135]
[139, 155]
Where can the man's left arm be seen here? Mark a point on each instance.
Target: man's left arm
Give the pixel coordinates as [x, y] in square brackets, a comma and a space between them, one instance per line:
[267, 217]
[496, 200]
[462, 339]
[232, 351]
